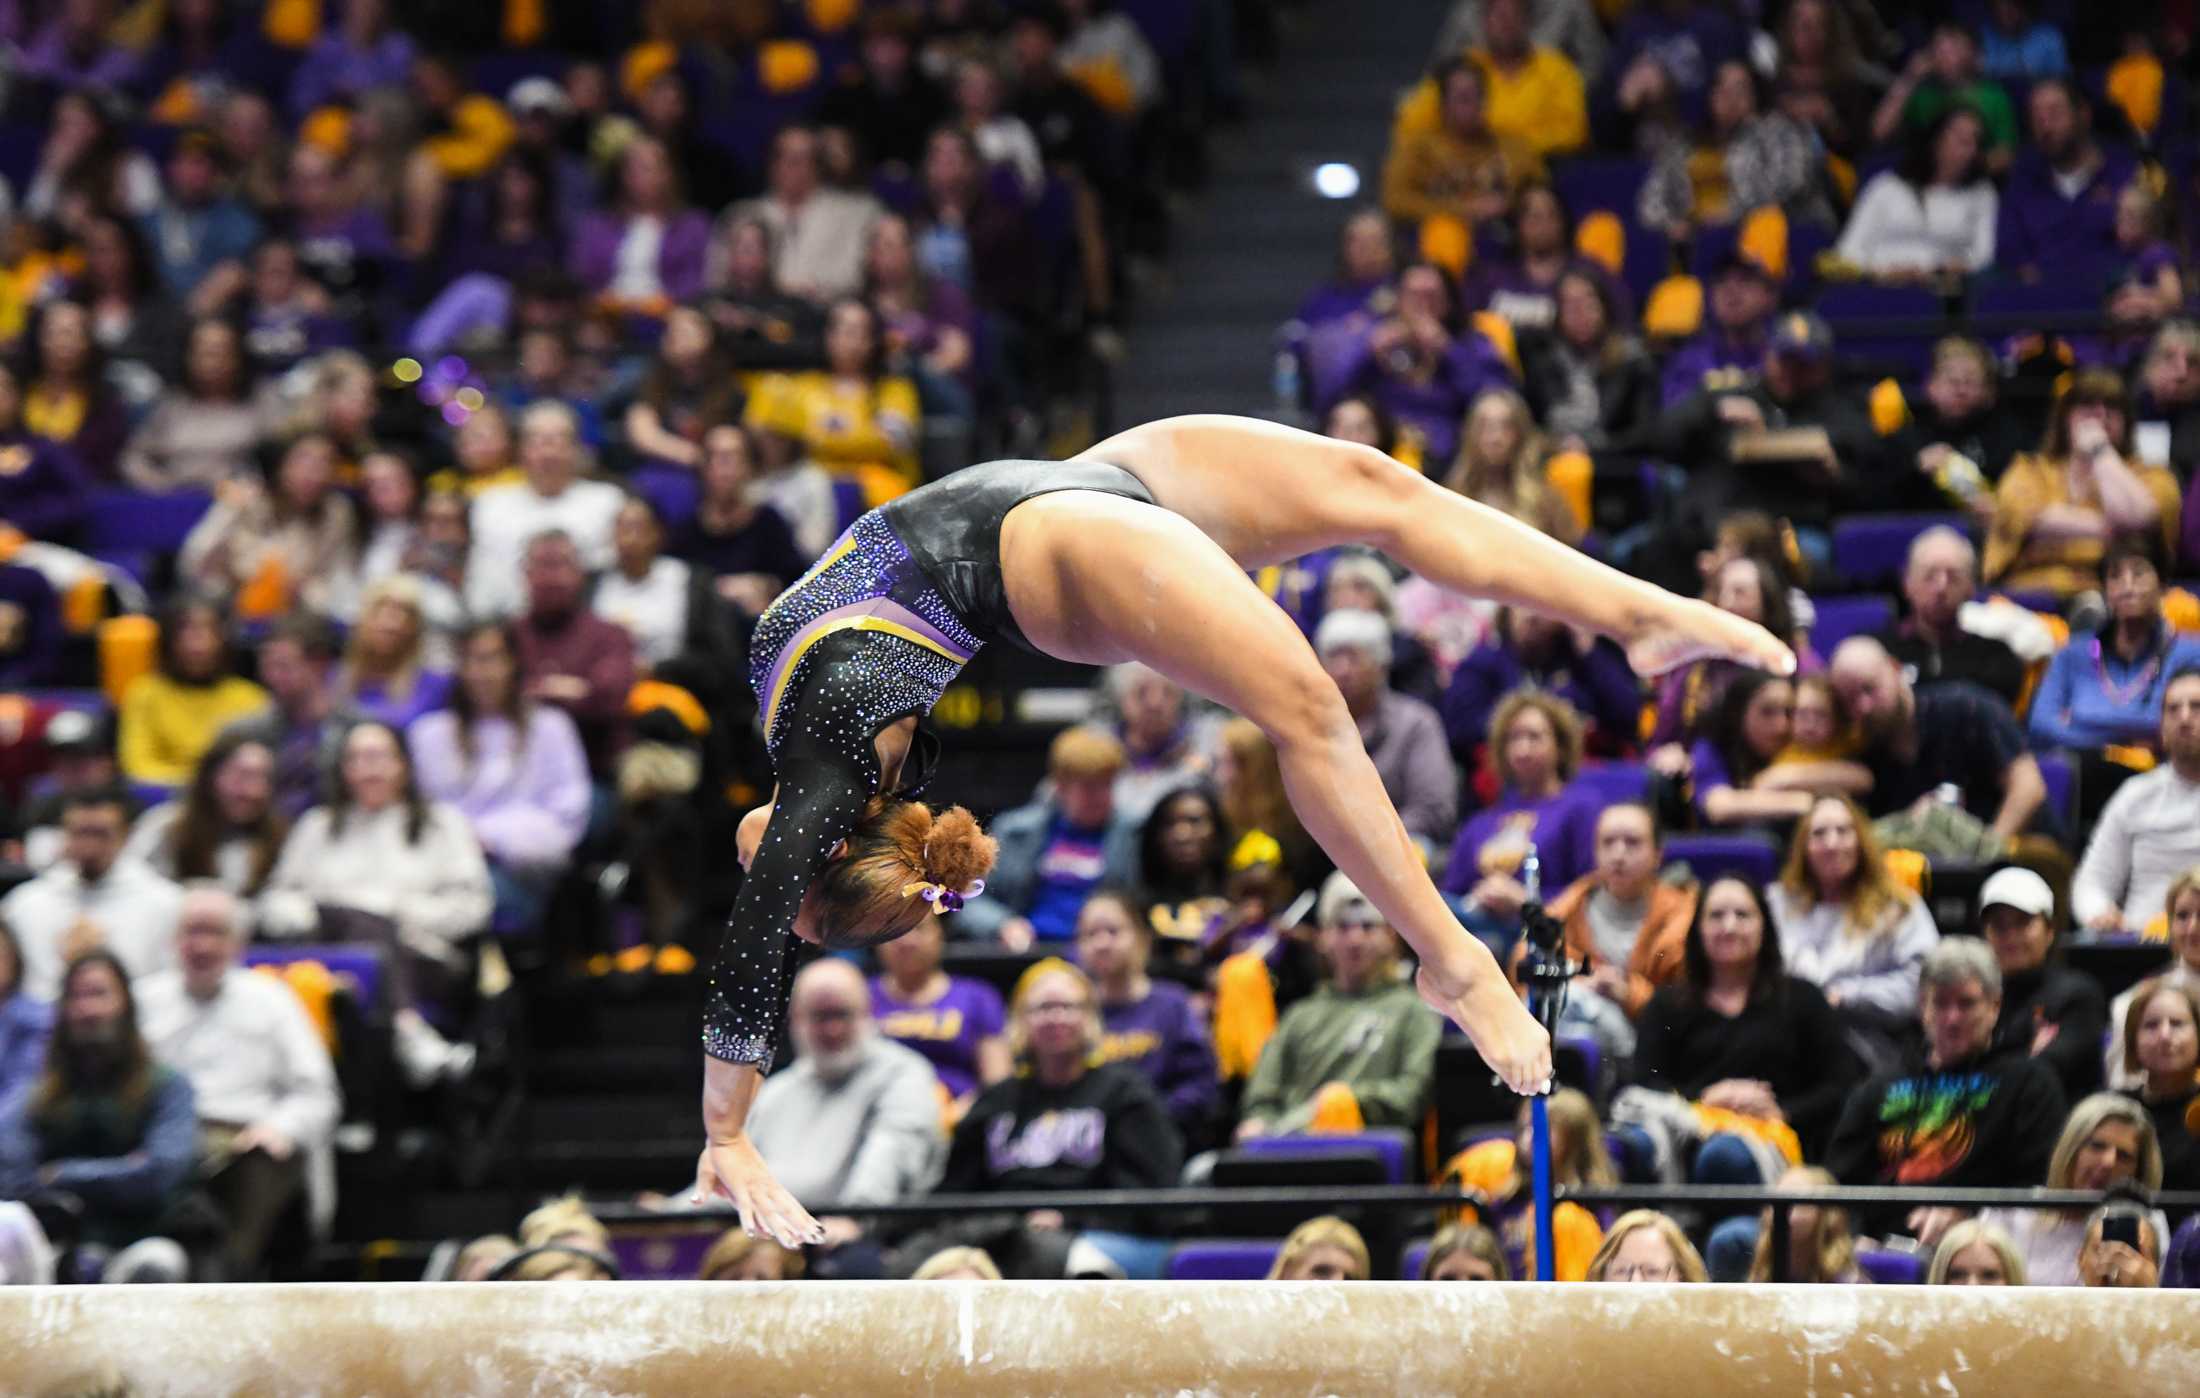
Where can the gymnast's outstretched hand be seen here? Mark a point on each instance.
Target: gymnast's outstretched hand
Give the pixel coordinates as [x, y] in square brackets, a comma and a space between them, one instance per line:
[731, 1169]
[1684, 630]
[1517, 1048]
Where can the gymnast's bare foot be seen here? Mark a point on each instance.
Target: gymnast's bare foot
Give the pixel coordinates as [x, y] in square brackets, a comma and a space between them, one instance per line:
[1687, 630]
[1503, 1032]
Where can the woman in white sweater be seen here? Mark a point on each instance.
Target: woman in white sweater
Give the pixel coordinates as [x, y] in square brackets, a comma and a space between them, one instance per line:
[1845, 925]
[1933, 214]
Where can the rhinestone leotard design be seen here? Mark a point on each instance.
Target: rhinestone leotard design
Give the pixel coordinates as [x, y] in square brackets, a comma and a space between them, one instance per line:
[874, 632]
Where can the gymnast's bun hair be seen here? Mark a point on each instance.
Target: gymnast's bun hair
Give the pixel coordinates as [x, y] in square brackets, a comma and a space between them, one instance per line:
[903, 864]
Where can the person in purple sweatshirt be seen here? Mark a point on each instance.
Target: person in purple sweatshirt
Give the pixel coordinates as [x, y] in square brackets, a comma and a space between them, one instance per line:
[1420, 363]
[1589, 673]
[2059, 210]
[42, 488]
[955, 1022]
[1729, 350]
[1151, 1025]
[1535, 746]
[1661, 65]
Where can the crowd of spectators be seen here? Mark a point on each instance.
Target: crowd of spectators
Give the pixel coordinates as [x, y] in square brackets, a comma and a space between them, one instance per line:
[499, 410]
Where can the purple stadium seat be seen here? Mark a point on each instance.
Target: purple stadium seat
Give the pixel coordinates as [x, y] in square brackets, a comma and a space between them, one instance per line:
[1394, 1148]
[2013, 302]
[671, 1251]
[1413, 1259]
[127, 521]
[1614, 781]
[1842, 617]
[2181, 1263]
[1753, 857]
[1891, 1268]
[1223, 1259]
[1870, 550]
[2061, 776]
[1892, 324]
[363, 965]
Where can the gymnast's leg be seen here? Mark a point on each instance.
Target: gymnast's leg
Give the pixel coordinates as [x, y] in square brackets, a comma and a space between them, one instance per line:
[1267, 493]
[1100, 579]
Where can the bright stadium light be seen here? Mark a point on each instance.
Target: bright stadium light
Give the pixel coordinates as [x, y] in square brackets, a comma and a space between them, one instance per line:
[1334, 179]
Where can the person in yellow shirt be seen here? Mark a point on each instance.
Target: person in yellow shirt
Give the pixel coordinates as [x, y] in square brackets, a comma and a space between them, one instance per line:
[1501, 1172]
[171, 715]
[1458, 168]
[1533, 94]
[850, 417]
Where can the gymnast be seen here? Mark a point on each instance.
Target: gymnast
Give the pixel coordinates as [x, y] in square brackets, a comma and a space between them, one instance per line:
[1137, 549]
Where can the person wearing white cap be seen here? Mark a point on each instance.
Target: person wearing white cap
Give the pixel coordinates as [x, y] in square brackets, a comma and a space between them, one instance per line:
[2048, 1011]
[2149, 832]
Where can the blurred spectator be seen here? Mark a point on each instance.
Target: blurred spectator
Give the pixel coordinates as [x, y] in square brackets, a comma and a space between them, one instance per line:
[1742, 159]
[384, 675]
[643, 591]
[1535, 92]
[2149, 832]
[645, 250]
[302, 724]
[263, 1085]
[1689, 699]
[743, 1257]
[973, 239]
[2048, 1010]
[852, 417]
[1918, 739]
[389, 530]
[710, 174]
[2106, 1142]
[26, 1022]
[509, 230]
[1958, 415]
[132, 318]
[760, 326]
[204, 431]
[1358, 1052]
[568, 656]
[2183, 964]
[225, 828]
[1726, 353]
[1821, 1248]
[1464, 1252]
[437, 561]
[1003, 138]
[481, 1257]
[735, 535]
[271, 544]
[42, 488]
[2161, 1044]
[1535, 751]
[1165, 744]
[1106, 52]
[2149, 273]
[1627, 926]
[1589, 380]
[1931, 217]
[1402, 735]
[361, 51]
[1501, 464]
[67, 399]
[2019, 47]
[343, 247]
[954, 1022]
[1325, 1249]
[1152, 1025]
[1586, 672]
[817, 231]
[87, 164]
[931, 328]
[1665, 58]
[1182, 851]
[79, 756]
[1367, 260]
[1419, 364]
[854, 1120]
[2112, 686]
[285, 317]
[1060, 1125]
[1358, 580]
[553, 497]
[483, 456]
[1057, 850]
[512, 767]
[2059, 210]
[2056, 511]
[1938, 581]
[1822, 80]
[1959, 1113]
[1570, 26]
[2106, 1263]
[107, 1124]
[1732, 772]
[380, 864]
[1845, 925]
[1743, 1031]
[1975, 1254]
[684, 391]
[2168, 408]
[1942, 74]
[254, 149]
[1457, 168]
[171, 714]
[1644, 1245]
[957, 1264]
[889, 103]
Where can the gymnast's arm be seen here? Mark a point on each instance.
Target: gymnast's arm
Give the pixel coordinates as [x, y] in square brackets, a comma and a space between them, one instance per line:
[819, 802]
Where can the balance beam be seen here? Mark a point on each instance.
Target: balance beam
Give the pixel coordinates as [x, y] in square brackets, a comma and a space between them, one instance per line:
[1079, 1338]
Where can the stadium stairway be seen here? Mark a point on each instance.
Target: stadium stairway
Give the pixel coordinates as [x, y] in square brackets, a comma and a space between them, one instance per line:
[1258, 237]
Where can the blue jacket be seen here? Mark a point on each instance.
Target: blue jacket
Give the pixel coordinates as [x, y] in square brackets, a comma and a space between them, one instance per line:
[2073, 709]
[1013, 885]
[124, 1194]
[25, 1025]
